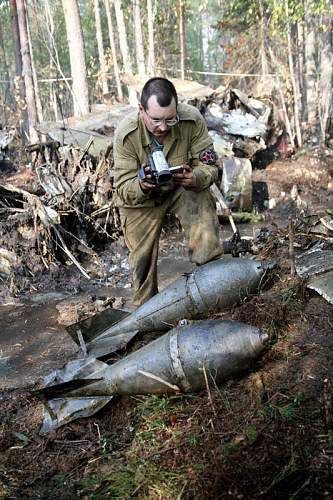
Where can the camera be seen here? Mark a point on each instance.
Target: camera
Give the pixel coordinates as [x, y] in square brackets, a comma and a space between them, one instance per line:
[159, 169]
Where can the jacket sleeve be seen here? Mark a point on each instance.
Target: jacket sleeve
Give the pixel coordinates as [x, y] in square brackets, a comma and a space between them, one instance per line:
[205, 174]
[126, 165]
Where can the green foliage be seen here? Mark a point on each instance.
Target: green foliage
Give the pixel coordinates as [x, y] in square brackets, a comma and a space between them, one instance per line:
[136, 470]
[202, 35]
[125, 480]
[231, 447]
[251, 433]
[289, 411]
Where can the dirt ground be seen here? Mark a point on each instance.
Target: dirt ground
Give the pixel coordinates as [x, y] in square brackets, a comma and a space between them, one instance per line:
[267, 434]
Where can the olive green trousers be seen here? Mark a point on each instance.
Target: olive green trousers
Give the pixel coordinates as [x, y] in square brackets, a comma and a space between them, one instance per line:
[142, 228]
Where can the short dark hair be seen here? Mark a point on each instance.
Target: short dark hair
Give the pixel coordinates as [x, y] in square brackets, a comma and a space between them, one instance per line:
[162, 88]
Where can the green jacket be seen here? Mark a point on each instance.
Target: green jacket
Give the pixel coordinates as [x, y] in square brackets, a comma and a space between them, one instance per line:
[183, 144]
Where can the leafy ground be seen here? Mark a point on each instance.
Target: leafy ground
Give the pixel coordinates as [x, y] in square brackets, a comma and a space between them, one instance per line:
[267, 434]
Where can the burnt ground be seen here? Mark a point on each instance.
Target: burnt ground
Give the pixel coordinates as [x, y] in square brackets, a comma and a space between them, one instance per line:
[266, 434]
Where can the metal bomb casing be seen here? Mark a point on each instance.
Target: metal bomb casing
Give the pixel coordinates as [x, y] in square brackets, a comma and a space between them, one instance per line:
[212, 287]
[181, 360]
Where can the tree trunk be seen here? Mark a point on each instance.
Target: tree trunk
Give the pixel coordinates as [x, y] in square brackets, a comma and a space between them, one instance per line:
[310, 67]
[151, 52]
[19, 82]
[7, 100]
[276, 64]
[50, 43]
[262, 87]
[296, 91]
[113, 50]
[301, 66]
[36, 23]
[27, 71]
[101, 56]
[325, 81]
[182, 38]
[77, 59]
[122, 37]
[124, 49]
[140, 56]
[34, 74]
[201, 41]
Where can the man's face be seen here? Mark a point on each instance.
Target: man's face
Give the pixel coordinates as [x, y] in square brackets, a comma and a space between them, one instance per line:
[157, 119]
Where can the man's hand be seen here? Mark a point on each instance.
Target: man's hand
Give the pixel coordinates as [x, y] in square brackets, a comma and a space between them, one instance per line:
[144, 183]
[186, 179]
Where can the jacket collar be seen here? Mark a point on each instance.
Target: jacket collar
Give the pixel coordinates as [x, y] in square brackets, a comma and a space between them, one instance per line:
[173, 135]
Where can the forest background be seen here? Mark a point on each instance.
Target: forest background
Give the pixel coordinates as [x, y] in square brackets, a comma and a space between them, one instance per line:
[267, 435]
[60, 57]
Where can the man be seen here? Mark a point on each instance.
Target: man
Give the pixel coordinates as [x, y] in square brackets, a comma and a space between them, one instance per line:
[180, 131]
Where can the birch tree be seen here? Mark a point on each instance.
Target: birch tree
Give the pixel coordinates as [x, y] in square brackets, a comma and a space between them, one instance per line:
[77, 58]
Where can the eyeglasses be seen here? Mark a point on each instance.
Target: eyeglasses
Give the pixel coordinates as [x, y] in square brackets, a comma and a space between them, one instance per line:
[157, 121]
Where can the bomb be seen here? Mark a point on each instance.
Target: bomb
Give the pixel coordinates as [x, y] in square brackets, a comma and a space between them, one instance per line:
[183, 360]
[211, 288]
